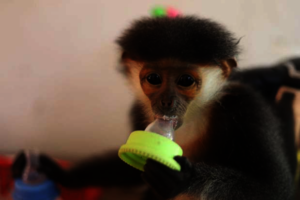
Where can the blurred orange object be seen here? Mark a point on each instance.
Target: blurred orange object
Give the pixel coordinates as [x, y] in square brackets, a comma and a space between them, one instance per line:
[6, 184]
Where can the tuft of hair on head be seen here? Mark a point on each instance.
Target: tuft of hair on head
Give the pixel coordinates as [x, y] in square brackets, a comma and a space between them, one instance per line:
[187, 38]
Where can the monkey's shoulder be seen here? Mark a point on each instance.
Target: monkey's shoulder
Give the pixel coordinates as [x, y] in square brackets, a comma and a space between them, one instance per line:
[240, 97]
[242, 108]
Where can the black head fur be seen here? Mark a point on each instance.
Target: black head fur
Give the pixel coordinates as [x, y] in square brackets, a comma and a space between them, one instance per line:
[187, 38]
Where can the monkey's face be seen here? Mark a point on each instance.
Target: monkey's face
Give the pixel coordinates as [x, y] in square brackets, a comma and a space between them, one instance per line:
[170, 88]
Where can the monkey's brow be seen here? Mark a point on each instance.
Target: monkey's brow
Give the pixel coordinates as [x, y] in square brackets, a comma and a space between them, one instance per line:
[171, 66]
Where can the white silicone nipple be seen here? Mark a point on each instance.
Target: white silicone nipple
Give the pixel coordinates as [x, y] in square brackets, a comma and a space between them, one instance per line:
[162, 127]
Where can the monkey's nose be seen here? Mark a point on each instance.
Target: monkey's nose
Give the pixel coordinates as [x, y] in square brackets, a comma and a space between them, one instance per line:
[167, 103]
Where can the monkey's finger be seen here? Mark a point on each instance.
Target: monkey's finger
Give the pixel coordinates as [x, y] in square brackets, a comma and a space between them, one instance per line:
[157, 166]
[164, 173]
[183, 162]
[155, 169]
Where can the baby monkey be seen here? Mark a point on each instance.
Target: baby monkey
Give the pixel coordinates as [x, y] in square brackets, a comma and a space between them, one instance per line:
[231, 138]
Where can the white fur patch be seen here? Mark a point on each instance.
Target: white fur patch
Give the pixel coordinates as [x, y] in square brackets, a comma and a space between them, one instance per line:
[213, 82]
[134, 78]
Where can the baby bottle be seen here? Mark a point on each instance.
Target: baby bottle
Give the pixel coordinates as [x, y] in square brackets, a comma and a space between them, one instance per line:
[156, 143]
[34, 185]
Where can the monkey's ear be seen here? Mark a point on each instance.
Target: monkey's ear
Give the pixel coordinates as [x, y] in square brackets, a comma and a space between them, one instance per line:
[227, 66]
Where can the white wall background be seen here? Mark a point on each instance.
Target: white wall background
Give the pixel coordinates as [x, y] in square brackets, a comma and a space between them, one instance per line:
[59, 88]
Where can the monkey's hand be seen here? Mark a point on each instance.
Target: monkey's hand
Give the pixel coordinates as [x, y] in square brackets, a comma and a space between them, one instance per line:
[47, 166]
[167, 182]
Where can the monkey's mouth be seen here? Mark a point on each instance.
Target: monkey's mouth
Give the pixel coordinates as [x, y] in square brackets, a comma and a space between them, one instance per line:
[174, 119]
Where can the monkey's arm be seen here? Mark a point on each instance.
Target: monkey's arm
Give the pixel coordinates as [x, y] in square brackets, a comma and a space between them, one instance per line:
[107, 170]
[244, 158]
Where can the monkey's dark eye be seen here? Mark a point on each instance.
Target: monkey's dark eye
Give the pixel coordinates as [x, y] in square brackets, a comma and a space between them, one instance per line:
[154, 79]
[186, 80]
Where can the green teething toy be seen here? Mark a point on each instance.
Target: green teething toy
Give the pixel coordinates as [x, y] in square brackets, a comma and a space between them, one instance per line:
[142, 145]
